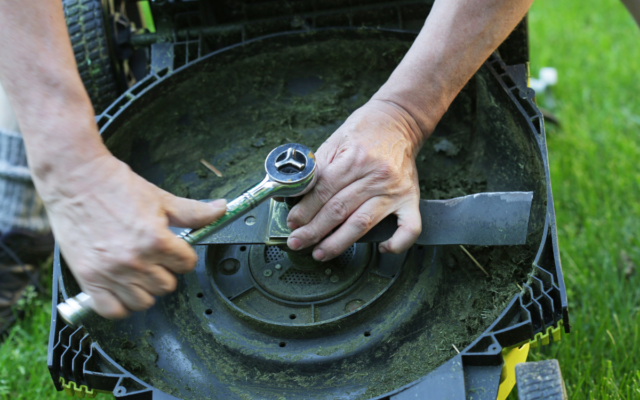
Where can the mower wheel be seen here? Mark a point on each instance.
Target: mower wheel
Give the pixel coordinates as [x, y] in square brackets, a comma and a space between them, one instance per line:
[540, 380]
[85, 23]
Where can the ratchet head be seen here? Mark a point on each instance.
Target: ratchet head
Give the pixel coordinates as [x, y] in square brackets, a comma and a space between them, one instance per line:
[293, 166]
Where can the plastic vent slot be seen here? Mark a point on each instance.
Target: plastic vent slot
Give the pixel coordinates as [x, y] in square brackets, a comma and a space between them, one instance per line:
[301, 277]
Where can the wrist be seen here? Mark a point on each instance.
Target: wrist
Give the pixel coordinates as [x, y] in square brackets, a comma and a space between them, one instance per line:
[62, 138]
[403, 122]
[424, 106]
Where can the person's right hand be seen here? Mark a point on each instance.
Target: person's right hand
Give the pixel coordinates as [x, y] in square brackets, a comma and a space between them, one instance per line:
[112, 228]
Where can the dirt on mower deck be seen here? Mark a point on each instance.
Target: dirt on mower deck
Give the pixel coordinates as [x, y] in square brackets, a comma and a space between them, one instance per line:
[238, 112]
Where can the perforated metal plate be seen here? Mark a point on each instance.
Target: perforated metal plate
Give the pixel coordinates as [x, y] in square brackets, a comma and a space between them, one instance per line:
[297, 277]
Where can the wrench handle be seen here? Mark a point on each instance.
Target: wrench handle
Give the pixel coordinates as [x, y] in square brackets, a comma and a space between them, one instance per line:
[286, 176]
[235, 208]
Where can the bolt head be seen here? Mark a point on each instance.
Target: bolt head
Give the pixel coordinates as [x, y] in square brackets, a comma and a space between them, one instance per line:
[267, 273]
[278, 267]
[327, 271]
[353, 305]
[334, 279]
[291, 161]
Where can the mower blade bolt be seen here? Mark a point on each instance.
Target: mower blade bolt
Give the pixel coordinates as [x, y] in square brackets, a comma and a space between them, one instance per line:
[290, 161]
[267, 273]
[290, 172]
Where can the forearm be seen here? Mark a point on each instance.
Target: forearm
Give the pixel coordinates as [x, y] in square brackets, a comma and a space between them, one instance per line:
[39, 74]
[458, 36]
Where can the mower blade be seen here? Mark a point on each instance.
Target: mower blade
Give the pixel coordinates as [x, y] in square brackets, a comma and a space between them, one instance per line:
[483, 219]
[487, 219]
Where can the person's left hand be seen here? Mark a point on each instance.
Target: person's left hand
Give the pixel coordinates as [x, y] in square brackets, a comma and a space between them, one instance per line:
[366, 171]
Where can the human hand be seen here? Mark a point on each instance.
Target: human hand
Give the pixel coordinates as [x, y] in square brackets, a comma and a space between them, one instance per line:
[112, 229]
[366, 171]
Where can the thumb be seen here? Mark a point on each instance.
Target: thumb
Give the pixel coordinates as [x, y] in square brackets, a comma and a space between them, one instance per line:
[187, 213]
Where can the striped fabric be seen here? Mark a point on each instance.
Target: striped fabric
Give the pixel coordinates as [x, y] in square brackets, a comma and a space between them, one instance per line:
[20, 206]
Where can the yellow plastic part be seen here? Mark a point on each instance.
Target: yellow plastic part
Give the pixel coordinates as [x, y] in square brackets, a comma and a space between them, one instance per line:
[83, 391]
[542, 338]
[512, 356]
[518, 354]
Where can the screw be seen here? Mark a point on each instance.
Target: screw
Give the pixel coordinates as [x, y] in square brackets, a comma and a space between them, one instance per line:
[267, 273]
[353, 305]
[278, 266]
[327, 271]
[334, 279]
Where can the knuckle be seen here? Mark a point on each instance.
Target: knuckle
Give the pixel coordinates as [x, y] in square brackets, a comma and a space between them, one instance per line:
[331, 250]
[160, 244]
[113, 314]
[127, 258]
[297, 215]
[308, 235]
[112, 310]
[360, 157]
[142, 303]
[385, 171]
[126, 265]
[362, 221]
[169, 285]
[414, 229]
[338, 210]
[393, 249]
[324, 192]
[189, 259]
[148, 302]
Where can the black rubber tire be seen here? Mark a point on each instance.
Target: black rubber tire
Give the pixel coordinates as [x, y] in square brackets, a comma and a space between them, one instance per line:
[540, 380]
[88, 35]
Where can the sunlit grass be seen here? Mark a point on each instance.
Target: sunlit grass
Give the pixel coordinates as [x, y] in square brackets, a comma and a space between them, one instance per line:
[595, 173]
[23, 355]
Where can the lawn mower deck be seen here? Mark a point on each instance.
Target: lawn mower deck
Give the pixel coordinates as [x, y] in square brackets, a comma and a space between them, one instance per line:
[423, 324]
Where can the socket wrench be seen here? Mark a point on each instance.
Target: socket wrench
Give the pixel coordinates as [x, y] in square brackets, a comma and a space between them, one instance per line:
[290, 172]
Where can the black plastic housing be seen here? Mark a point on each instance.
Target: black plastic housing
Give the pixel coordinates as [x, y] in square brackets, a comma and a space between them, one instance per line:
[73, 358]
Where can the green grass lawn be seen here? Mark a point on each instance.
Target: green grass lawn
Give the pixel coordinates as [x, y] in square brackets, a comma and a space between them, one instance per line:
[595, 170]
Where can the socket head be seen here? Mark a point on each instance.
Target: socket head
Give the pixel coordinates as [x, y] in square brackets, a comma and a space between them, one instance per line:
[293, 166]
[74, 309]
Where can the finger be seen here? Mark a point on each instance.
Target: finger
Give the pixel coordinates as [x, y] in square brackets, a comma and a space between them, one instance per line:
[334, 177]
[158, 281]
[106, 303]
[409, 229]
[360, 222]
[332, 214]
[324, 157]
[133, 296]
[171, 252]
[187, 213]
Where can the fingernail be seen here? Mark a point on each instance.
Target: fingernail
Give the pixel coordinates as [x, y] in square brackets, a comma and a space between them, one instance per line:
[382, 249]
[292, 225]
[220, 203]
[318, 255]
[293, 243]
